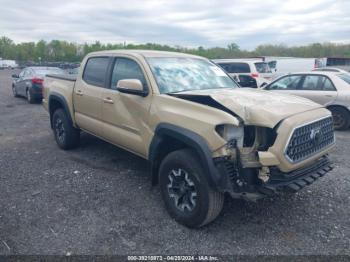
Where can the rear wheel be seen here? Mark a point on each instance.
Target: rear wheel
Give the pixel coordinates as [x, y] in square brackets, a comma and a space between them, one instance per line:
[341, 118]
[185, 190]
[30, 98]
[66, 135]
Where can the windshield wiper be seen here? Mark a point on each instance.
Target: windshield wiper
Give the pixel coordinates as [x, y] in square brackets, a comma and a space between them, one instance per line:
[184, 90]
[188, 90]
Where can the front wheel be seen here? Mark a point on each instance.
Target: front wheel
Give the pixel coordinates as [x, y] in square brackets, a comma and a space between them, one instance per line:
[66, 135]
[185, 190]
[341, 118]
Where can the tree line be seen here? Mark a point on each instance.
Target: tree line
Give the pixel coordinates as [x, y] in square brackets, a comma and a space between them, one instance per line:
[57, 50]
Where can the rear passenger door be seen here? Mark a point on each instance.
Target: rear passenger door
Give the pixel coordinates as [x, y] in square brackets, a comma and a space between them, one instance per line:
[125, 115]
[87, 95]
[318, 88]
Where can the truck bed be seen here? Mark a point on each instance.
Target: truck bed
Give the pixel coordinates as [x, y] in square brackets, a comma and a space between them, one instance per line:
[59, 84]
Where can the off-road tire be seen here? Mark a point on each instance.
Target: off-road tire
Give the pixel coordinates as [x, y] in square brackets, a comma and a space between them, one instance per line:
[70, 137]
[341, 118]
[209, 203]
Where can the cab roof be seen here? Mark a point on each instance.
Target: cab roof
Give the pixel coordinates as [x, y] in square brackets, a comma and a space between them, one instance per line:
[145, 53]
[238, 60]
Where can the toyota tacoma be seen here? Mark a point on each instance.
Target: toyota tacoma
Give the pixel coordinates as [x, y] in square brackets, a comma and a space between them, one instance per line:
[203, 135]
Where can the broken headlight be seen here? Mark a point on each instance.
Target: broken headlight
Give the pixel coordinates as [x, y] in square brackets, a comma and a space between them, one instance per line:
[231, 132]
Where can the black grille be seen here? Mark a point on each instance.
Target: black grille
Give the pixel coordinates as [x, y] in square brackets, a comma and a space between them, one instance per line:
[310, 139]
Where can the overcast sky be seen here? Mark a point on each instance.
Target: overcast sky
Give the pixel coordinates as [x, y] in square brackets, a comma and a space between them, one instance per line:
[178, 22]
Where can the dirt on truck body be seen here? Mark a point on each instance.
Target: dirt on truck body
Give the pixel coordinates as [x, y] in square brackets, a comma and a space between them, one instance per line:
[203, 135]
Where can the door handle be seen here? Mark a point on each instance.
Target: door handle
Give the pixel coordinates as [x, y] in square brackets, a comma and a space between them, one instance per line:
[328, 95]
[108, 100]
[79, 93]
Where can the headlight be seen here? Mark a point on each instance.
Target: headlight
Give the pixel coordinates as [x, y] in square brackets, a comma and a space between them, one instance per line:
[229, 132]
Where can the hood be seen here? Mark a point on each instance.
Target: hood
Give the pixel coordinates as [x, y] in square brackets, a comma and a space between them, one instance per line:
[255, 106]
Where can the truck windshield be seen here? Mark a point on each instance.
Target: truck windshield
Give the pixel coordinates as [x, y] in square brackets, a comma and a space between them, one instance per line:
[177, 74]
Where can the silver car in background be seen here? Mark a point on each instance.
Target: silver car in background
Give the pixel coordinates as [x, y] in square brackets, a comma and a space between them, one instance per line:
[29, 83]
[330, 89]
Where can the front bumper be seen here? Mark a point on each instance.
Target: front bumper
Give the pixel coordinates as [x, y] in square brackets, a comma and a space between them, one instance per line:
[295, 180]
[244, 183]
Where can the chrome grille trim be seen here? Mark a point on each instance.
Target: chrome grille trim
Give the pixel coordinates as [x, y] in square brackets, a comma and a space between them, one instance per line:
[309, 139]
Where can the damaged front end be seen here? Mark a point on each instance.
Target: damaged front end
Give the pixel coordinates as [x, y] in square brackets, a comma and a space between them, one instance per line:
[277, 143]
[252, 170]
[242, 164]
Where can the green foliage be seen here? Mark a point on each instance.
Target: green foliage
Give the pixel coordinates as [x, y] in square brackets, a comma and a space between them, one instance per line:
[57, 50]
[313, 50]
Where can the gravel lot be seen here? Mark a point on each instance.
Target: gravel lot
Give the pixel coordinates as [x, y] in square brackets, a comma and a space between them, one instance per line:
[97, 199]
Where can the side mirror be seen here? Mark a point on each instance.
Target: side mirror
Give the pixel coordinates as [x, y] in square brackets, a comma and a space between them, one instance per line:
[131, 86]
[15, 76]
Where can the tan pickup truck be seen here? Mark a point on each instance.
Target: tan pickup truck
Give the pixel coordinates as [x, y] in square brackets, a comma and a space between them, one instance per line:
[203, 135]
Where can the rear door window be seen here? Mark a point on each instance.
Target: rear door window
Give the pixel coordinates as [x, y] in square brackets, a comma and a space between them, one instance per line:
[326, 84]
[235, 67]
[310, 83]
[317, 83]
[95, 71]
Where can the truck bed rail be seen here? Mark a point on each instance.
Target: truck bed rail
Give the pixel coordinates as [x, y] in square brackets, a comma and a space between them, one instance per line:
[64, 77]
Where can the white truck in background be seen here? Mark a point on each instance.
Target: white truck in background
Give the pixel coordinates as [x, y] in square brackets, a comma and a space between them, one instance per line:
[11, 64]
[342, 63]
[286, 65]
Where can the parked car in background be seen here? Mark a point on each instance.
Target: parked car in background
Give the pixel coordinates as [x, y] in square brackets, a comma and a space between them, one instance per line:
[248, 73]
[326, 88]
[338, 62]
[332, 69]
[29, 82]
